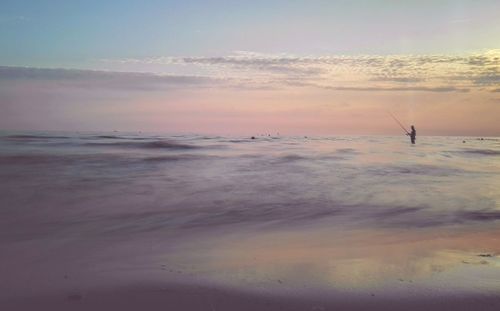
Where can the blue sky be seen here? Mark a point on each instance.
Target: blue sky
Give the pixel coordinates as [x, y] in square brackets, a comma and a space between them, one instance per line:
[74, 33]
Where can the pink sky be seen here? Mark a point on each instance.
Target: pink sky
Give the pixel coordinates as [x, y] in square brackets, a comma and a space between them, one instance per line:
[252, 93]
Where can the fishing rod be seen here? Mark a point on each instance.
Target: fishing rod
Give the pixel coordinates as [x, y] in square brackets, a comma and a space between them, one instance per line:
[395, 119]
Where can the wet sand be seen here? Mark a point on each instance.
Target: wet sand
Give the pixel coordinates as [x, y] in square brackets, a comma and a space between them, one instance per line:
[194, 298]
[309, 269]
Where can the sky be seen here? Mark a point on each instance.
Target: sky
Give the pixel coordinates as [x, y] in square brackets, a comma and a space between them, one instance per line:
[244, 68]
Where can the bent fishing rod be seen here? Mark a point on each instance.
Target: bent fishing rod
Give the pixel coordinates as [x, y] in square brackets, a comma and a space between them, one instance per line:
[395, 119]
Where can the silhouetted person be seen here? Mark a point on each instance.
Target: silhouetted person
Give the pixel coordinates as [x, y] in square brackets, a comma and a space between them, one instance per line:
[413, 134]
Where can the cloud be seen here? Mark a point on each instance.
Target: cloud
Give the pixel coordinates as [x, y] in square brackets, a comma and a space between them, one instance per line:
[383, 89]
[256, 71]
[90, 79]
[432, 73]
[398, 79]
[388, 89]
[488, 79]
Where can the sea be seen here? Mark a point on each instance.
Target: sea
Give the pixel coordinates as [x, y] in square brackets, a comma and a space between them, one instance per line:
[290, 214]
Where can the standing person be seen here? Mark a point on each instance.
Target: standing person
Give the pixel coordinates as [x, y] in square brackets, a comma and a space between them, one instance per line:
[413, 134]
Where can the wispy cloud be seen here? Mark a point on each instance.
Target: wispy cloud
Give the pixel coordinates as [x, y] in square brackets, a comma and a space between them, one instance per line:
[91, 79]
[255, 71]
[430, 73]
[389, 89]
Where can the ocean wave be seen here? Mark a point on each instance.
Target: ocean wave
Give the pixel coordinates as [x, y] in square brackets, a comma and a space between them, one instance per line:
[291, 157]
[484, 152]
[109, 160]
[179, 157]
[429, 218]
[479, 215]
[347, 151]
[417, 169]
[288, 214]
[109, 137]
[34, 137]
[62, 159]
[193, 182]
[158, 144]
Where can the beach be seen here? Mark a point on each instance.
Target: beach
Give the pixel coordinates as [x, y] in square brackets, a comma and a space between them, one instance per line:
[127, 221]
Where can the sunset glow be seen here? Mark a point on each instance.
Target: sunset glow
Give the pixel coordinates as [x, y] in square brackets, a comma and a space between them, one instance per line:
[321, 68]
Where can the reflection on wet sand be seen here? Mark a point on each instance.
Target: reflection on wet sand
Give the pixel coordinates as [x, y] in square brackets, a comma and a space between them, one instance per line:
[354, 259]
